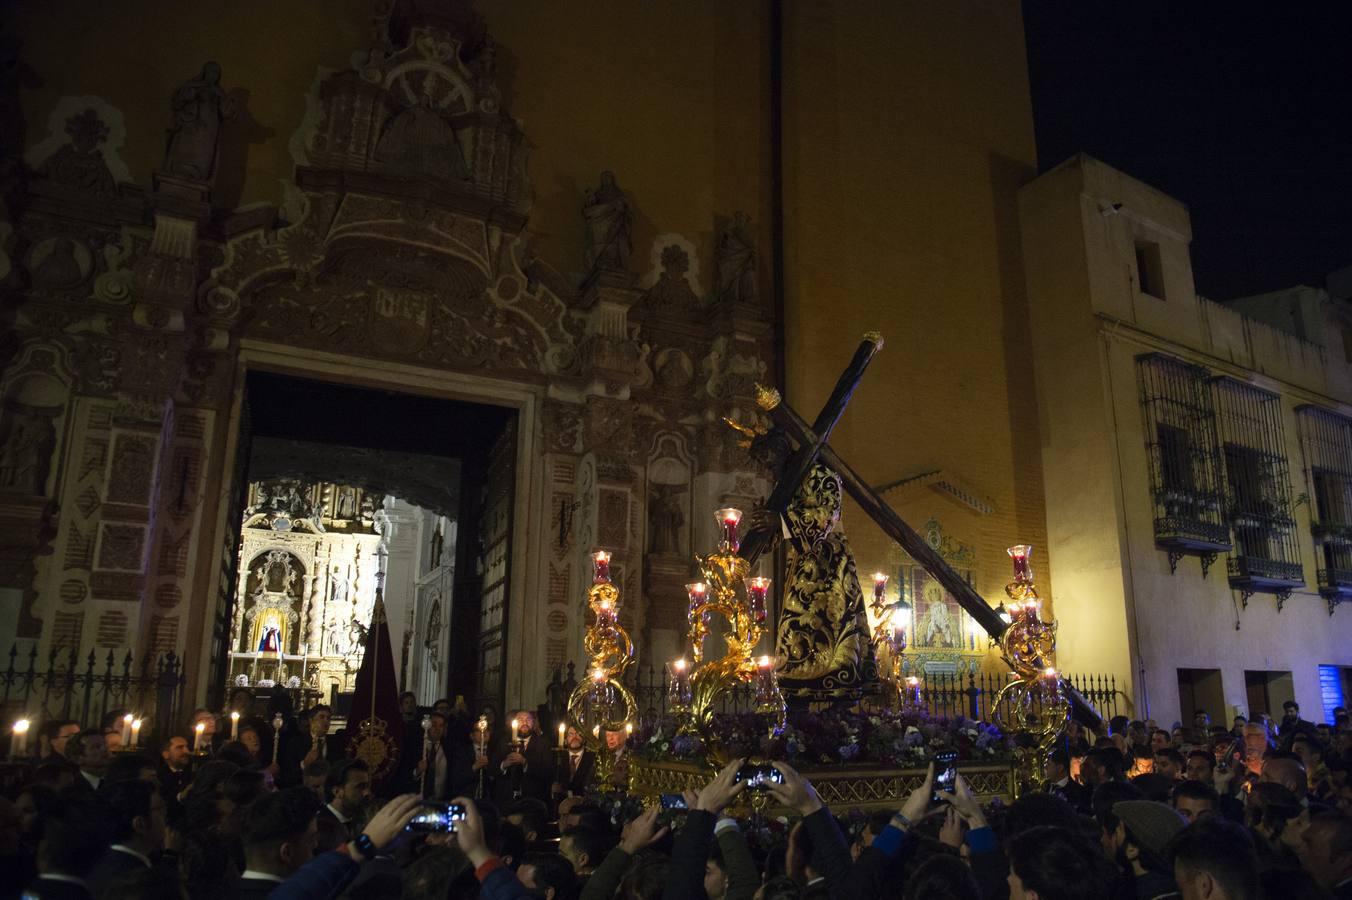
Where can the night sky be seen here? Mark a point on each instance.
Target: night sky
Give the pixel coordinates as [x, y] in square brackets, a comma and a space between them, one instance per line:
[1245, 117]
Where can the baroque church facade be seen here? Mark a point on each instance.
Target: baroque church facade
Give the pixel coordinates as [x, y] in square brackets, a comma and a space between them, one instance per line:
[611, 219]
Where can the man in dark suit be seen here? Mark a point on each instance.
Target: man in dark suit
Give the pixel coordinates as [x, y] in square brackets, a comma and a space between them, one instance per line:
[446, 767]
[279, 838]
[527, 768]
[173, 767]
[70, 845]
[1059, 782]
[349, 790]
[88, 751]
[310, 742]
[579, 767]
[52, 739]
[137, 830]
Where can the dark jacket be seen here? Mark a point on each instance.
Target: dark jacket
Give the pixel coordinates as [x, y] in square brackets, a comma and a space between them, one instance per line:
[110, 867]
[576, 783]
[327, 875]
[689, 853]
[531, 781]
[50, 889]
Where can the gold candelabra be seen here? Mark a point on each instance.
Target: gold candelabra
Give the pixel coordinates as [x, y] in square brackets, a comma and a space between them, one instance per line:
[729, 592]
[601, 704]
[1035, 703]
[889, 633]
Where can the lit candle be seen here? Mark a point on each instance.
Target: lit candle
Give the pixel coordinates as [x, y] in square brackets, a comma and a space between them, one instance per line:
[135, 733]
[234, 723]
[679, 688]
[763, 683]
[756, 590]
[628, 730]
[698, 593]
[563, 727]
[198, 730]
[728, 541]
[1050, 674]
[879, 588]
[605, 612]
[596, 731]
[601, 566]
[18, 746]
[126, 729]
[1023, 569]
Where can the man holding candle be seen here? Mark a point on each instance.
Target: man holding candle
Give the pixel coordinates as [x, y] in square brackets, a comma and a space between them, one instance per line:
[526, 767]
[578, 768]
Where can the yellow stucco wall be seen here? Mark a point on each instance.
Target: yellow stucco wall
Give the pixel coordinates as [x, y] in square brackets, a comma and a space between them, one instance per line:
[906, 138]
[669, 95]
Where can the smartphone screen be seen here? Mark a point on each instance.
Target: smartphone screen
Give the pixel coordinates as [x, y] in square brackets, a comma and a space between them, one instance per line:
[945, 773]
[673, 801]
[436, 818]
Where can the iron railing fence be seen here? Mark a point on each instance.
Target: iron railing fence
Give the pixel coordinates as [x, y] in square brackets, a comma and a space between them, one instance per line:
[72, 685]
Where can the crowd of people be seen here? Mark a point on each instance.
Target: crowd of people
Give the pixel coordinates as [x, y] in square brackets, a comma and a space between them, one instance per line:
[238, 808]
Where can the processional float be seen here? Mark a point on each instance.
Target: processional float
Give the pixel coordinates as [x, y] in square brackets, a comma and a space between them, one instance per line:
[1037, 703]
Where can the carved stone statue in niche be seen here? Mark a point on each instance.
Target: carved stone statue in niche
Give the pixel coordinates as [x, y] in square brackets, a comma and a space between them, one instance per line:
[25, 449]
[735, 257]
[199, 107]
[665, 518]
[80, 164]
[610, 222]
[60, 267]
[420, 142]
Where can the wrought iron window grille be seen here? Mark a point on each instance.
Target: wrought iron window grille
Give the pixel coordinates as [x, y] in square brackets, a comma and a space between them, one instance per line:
[1326, 445]
[1180, 438]
[1257, 485]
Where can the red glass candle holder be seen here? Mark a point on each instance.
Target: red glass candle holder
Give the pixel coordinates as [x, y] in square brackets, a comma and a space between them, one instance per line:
[757, 589]
[601, 567]
[1022, 555]
[698, 592]
[728, 519]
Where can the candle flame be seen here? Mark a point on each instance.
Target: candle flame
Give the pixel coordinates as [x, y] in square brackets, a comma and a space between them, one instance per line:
[1051, 672]
[912, 681]
[135, 723]
[679, 665]
[699, 588]
[21, 726]
[599, 674]
[234, 715]
[879, 578]
[730, 515]
[200, 727]
[628, 728]
[765, 662]
[128, 717]
[601, 556]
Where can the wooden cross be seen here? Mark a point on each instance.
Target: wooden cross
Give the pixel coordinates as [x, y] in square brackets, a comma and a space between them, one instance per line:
[812, 445]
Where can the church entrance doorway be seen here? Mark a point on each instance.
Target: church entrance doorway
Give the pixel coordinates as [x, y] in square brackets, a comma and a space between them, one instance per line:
[342, 492]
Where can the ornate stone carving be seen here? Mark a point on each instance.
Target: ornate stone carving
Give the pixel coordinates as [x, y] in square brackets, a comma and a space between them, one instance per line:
[610, 222]
[59, 264]
[27, 439]
[198, 106]
[672, 291]
[80, 164]
[735, 261]
[133, 469]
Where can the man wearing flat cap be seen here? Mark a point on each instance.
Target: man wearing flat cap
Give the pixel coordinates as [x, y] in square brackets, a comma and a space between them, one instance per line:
[1144, 830]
